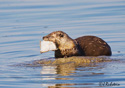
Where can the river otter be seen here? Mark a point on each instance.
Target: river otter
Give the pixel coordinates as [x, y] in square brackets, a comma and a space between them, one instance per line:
[82, 46]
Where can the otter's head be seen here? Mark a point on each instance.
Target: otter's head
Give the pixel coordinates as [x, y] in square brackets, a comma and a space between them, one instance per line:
[60, 38]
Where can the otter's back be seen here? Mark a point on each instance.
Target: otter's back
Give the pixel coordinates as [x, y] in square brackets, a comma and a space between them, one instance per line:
[93, 46]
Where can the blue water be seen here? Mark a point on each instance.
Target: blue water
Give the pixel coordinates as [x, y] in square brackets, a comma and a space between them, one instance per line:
[24, 22]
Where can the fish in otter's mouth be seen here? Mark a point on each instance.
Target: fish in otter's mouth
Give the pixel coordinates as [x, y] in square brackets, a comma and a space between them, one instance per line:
[46, 46]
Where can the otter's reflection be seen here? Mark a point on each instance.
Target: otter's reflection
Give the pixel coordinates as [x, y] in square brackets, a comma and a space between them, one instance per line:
[63, 68]
[47, 73]
[66, 69]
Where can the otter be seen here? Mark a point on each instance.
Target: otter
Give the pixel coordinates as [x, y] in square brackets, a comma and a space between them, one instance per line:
[82, 46]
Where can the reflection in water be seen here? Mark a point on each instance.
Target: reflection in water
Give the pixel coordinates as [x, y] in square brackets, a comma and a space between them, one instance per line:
[61, 86]
[66, 67]
[48, 70]
[62, 69]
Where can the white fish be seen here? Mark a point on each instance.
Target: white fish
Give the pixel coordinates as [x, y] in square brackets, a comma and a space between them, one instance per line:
[46, 46]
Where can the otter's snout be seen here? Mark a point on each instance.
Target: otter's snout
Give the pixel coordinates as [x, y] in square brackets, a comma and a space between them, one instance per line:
[46, 38]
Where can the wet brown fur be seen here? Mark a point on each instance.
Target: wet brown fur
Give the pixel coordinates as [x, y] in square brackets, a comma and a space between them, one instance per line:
[82, 46]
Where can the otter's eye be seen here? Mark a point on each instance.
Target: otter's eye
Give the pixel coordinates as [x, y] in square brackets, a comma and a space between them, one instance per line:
[61, 35]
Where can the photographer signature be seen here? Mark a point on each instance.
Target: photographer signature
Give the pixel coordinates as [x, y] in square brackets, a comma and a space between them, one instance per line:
[108, 84]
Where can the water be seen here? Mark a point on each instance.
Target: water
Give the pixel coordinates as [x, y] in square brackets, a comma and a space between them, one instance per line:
[24, 22]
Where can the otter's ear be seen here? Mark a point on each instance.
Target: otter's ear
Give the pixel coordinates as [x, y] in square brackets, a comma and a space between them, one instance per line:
[61, 35]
